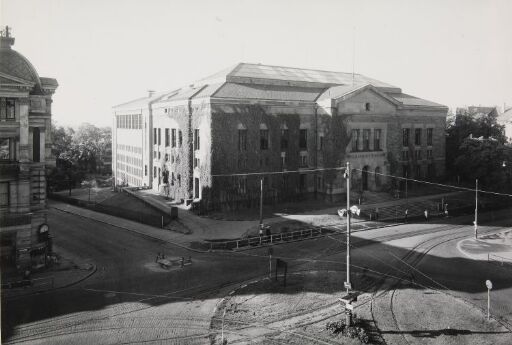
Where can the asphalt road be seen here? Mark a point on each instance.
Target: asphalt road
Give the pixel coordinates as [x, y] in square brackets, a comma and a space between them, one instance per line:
[129, 300]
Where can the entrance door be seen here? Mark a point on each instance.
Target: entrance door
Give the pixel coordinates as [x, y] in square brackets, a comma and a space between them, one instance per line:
[364, 178]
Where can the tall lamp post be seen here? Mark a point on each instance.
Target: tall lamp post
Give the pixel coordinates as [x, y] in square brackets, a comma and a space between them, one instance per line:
[476, 209]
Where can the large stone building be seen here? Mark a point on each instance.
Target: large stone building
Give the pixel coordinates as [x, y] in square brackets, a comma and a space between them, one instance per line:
[25, 152]
[203, 141]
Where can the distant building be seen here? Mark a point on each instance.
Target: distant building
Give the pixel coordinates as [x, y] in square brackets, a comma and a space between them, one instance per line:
[25, 153]
[299, 125]
[505, 119]
[476, 112]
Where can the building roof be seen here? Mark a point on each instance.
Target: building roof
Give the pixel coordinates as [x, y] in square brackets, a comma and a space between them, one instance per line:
[409, 100]
[268, 92]
[506, 116]
[276, 83]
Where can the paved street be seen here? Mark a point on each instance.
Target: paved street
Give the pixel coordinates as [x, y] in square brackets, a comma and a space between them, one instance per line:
[131, 300]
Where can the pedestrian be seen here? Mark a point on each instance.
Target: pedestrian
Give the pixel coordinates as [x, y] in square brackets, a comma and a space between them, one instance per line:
[377, 213]
[261, 230]
[406, 214]
[446, 210]
[426, 215]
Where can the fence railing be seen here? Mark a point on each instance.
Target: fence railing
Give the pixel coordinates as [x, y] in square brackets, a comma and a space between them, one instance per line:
[254, 241]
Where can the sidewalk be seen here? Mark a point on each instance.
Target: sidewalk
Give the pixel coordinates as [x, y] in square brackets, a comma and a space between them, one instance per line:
[205, 228]
[66, 272]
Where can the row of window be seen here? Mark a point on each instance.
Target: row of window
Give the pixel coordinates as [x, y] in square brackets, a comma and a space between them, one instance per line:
[8, 147]
[417, 155]
[173, 137]
[7, 109]
[362, 142]
[417, 136]
[129, 159]
[129, 148]
[129, 169]
[418, 171]
[285, 139]
[129, 121]
[132, 180]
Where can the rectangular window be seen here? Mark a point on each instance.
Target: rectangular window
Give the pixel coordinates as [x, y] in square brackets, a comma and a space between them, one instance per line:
[242, 139]
[154, 137]
[196, 188]
[154, 172]
[405, 171]
[405, 155]
[284, 139]
[6, 149]
[366, 140]
[4, 194]
[196, 162]
[429, 136]
[418, 171]
[8, 109]
[417, 136]
[431, 172]
[196, 139]
[145, 170]
[167, 137]
[355, 140]
[376, 140]
[263, 139]
[429, 154]
[159, 136]
[173, 137]
[405, 137]
[303, 139]
[180, 138]
[321, 143]
[36, 145]
[417, 155]
[303, 161]
[302, 182]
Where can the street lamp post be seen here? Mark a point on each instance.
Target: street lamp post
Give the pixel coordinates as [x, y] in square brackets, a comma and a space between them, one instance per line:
[347, 283]
[261, 202]
[476, 209]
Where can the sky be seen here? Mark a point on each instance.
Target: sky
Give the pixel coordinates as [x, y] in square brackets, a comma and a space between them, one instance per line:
[107, 52]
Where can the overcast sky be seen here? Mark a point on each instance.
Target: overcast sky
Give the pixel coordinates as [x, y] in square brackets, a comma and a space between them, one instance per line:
[108, 52]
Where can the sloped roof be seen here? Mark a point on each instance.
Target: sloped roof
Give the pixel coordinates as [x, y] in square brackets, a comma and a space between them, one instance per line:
[406, 100]
[291, 74]
[141, 102]
[506, 116]
[268, 92]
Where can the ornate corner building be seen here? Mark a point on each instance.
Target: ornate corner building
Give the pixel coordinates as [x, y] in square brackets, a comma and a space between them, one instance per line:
[25, 153]
[204, 142]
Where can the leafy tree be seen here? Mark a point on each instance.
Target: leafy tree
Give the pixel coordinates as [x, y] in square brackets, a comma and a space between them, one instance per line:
[459, 129]
[483, 159]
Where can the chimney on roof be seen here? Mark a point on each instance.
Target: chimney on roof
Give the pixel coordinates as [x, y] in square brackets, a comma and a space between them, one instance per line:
[6, 40]
[151, 93]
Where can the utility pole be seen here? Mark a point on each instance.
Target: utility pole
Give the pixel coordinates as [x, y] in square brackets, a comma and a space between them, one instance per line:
[406, 199]
[476, 209]
[347, 282]
[261, 202]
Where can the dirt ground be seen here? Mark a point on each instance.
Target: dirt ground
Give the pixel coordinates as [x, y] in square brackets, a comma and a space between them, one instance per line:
[267, 312]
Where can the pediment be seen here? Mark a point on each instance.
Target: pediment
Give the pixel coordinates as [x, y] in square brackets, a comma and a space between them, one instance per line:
[11, 81]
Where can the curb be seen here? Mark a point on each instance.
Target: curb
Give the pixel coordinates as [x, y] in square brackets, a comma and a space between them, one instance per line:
[131, 230]
[55, 288]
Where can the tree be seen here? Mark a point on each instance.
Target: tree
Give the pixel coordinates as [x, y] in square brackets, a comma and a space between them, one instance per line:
[483, 159]
[463, 126]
